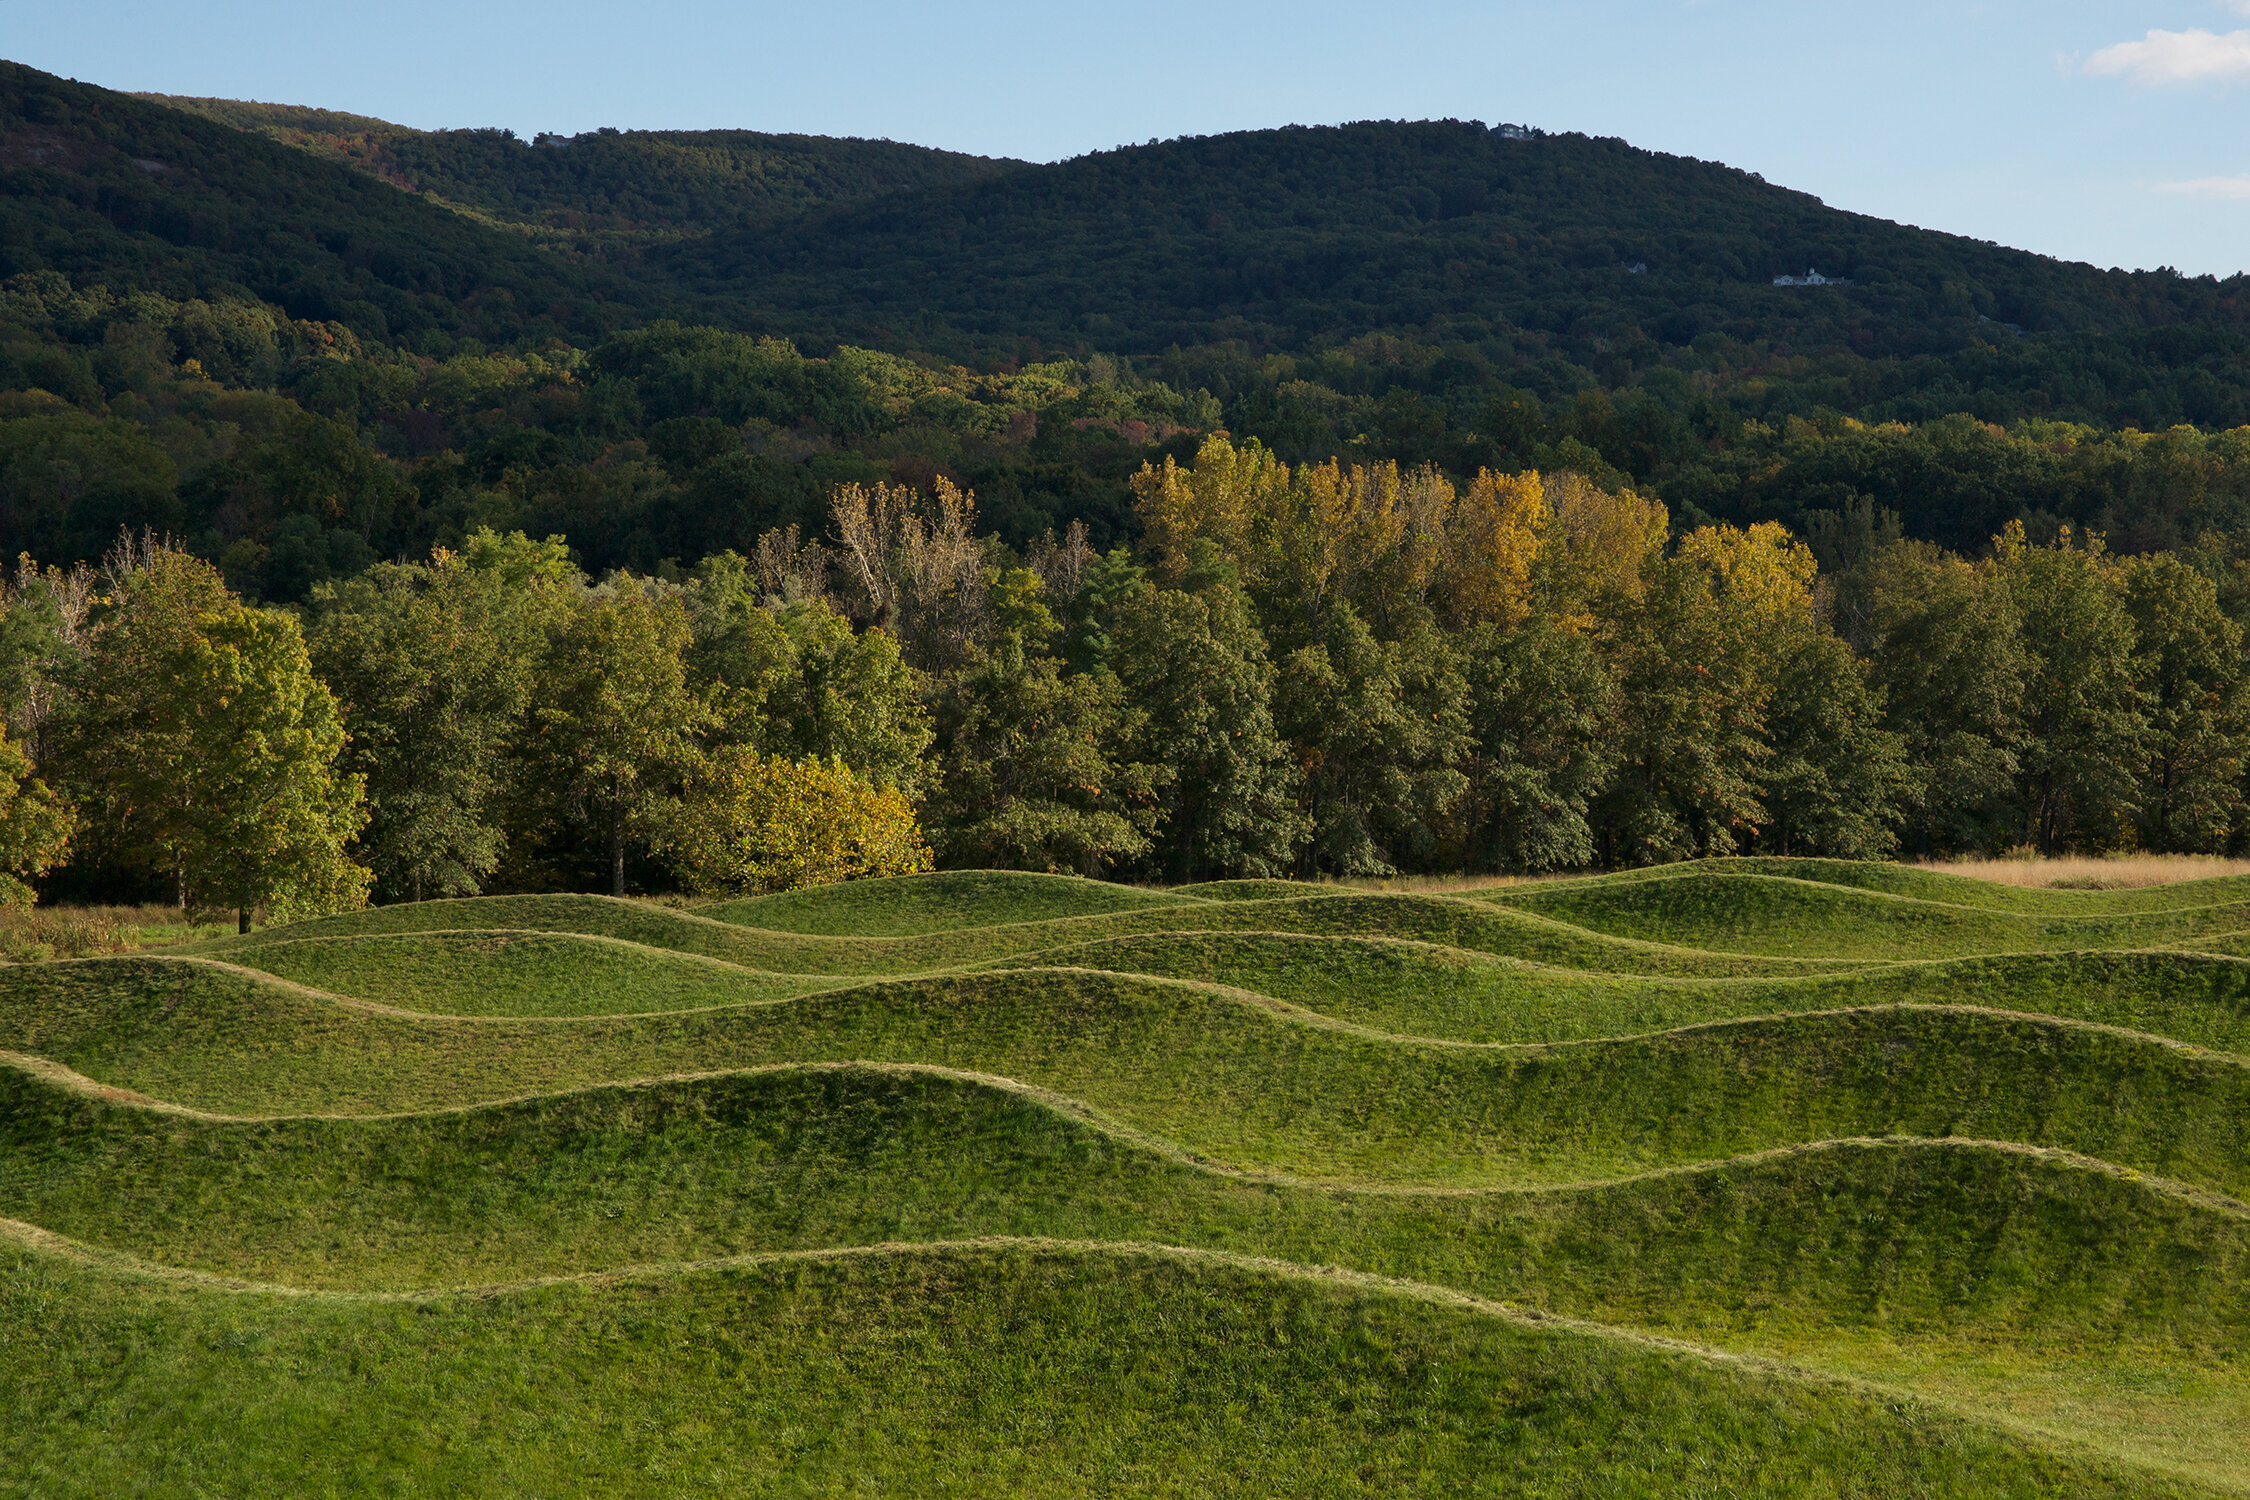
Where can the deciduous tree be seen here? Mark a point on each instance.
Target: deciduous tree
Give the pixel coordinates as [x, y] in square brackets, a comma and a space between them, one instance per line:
[615, 725]
[751, 822]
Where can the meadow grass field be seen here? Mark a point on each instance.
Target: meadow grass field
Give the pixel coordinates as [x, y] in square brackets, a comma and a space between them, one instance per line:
[1752, 1177]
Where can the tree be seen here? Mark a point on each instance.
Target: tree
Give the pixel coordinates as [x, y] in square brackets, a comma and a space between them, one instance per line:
[1218, 500]
[434, 663]
[1837, 783]
[36, 825]
[614, 723]
[267, 817]
[2084, 729]
[1036, 771]
[1376, 729]
[1542, 708]
[1692, 691]
[1493, 539]
[1195, 664]
[2191, 671]
[794, 679]
[203, 747]
[1596, 553]
[1946, 654]
[761, 823]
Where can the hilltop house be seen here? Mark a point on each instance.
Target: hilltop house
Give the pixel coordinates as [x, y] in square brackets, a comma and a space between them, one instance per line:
[1811, 278]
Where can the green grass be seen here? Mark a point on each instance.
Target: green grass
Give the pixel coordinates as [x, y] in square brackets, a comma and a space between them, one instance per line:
[949, 1371]
[1225, 1076]
[911, 905]
[498, 973]
[1423, 989]
[1452, 921]
[1892, 1135]
[803, 1158]
[1791, 917]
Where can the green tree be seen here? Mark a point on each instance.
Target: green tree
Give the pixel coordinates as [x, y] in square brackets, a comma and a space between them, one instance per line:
[1695, 671]
[1194, 663]
[2191, 673]
[1378, 729]
[615, 726]
[1946, 653]
[798, 681]
[2085, 733]
[1837, 784]
[268, 817]
[1036, 771]
[1542, 708]
[434, 663]
[204, 747]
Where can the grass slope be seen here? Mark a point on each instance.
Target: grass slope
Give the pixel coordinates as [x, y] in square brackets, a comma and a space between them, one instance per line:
[500, 973]
[1473, 925]
[1222, 1075]
[1787, 917]
[1424, 989]
[1909, 1237]
[963, 1371]
[911, 905]
[1975, 1144]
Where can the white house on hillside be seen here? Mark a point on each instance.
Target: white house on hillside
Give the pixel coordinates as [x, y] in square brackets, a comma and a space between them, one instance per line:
[1812, 278]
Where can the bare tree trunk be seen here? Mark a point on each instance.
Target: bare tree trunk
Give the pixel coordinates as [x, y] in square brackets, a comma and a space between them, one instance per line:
[617, 856]
[242, 919]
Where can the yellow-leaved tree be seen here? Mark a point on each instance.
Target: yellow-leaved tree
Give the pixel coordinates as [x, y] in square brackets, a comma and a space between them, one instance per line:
[1593, 566]
[1492, 539]
[36, 825]
[1218, 500]
[752, 822]
[1763, 574]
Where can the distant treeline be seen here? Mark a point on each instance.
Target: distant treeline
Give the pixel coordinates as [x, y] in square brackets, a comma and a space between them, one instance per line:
[289, 452]
[1331, 668]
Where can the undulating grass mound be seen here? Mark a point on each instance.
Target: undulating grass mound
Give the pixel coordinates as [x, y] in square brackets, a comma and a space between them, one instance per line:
[517, 973]
[1968, 1142]
[1012, 1369]
[1451, 921]
[910, 905]
[1908, 1238]
[1425, 989]
[1226, 1076]
[1784, 917]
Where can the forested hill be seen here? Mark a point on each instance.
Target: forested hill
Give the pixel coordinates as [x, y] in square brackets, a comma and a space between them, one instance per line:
[1560, 261]
[609, 188]
[1440, 229]
[119, 192]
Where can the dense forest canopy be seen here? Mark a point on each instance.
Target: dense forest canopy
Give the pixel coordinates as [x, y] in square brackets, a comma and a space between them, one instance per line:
[607, 188]
[1341, 500]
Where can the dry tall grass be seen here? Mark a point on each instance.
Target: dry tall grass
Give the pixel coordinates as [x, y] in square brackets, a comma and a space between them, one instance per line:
[34, 934]
[2117, 872]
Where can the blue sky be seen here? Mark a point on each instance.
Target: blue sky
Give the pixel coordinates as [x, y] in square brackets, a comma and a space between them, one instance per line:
[2098, 130]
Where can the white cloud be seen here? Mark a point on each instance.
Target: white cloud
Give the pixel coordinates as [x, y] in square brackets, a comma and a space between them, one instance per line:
[2211, 187]
[2196, 56]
